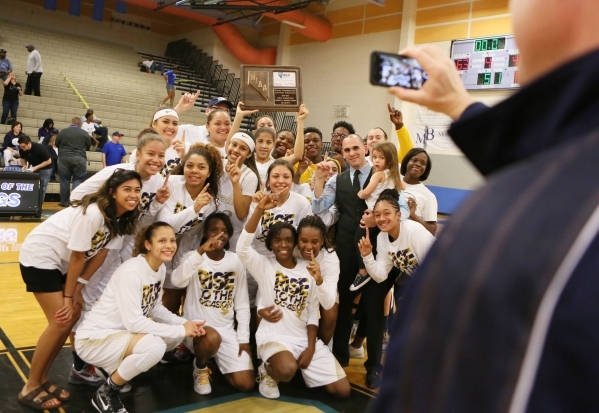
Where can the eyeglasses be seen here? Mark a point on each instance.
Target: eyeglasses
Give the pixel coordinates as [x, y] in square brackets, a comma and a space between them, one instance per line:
[337, 136]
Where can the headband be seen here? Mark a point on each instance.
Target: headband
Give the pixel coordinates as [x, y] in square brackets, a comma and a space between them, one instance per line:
[337, 162]
[244, 137]
[165, 112]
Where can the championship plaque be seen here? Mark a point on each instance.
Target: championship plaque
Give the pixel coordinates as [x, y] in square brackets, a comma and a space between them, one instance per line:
[271, 88]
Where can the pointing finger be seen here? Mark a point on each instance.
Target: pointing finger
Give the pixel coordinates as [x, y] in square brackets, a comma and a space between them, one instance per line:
[183, 138]
[197, 94]
[205, 189]
[239, 162]
[165, 185]
[390, 109]
[367, 235]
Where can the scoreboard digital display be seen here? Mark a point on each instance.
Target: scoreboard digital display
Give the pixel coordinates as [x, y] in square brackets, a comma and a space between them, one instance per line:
[487, 63]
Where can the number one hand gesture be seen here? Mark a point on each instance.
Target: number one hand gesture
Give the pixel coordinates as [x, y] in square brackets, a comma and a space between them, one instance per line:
[364, 245]
[163, 194]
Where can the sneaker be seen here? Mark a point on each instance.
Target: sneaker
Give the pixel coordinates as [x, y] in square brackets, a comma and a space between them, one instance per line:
[87, 375]
[373, 379]
[106, 400]
[161, 105]
[356, 353]
[359, 282]
[201, 380]
[182, 353]
[268, 386]
[385, 340]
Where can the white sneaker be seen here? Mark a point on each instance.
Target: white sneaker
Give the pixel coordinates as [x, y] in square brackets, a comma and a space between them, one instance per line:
[356, 353]
[268, 386]
[201, 380]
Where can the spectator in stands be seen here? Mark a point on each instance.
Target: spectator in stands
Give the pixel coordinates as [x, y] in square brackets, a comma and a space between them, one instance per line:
[72, 143]
[341, 130]
[34, 71]
[11, 144]
[35, 158]
[113, 152]
[102, 131]
[90, 127]
[5, 65]
[45, 132]
[53, 151]
[169, 78]
[196, 134]
[150, 65]
[10, 99]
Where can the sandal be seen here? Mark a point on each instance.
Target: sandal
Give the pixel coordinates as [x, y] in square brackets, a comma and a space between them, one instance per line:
[57, 392]
[31, 399]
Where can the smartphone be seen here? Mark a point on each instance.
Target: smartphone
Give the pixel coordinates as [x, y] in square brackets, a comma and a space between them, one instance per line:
[388, 69]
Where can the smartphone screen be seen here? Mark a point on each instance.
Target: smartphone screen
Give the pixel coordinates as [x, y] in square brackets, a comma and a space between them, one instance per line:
[387, 69]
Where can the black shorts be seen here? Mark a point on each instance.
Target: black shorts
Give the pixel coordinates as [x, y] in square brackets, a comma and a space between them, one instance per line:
[39, 280]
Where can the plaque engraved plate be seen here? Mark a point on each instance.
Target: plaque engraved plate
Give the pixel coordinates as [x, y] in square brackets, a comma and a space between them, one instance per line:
[271, 88]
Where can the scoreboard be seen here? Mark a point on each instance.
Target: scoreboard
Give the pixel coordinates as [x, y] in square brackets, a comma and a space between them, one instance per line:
[487, 63]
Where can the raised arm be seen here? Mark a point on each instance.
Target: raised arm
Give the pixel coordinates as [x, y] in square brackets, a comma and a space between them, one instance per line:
[239, 115]
[298, 148]
[404, 142]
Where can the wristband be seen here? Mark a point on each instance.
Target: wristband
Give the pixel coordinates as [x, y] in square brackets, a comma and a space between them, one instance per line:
[82, 281]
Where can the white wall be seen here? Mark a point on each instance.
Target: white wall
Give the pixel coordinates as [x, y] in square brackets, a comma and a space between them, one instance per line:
[137, 39]
[337, 73]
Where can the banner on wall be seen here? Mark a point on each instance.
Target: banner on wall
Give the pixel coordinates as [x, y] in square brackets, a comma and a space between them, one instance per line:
[431, 131]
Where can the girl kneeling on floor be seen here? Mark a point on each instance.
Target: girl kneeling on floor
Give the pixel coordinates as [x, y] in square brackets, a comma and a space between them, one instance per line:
[217, 292]
[288, 283]
[118, 334]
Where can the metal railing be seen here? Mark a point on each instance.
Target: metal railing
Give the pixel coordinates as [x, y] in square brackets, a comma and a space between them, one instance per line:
[75, 89]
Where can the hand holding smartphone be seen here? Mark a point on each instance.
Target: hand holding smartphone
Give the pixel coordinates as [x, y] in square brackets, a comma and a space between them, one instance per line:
[388, 69]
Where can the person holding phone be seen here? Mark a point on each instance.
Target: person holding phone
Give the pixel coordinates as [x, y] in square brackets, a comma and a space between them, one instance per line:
[10, 99]
[502, 314]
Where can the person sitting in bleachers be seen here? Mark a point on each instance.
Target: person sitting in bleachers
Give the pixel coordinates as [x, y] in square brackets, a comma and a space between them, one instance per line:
[53, 151]
[100, 130]
[150, 65]
[45, 131]
[10, 144]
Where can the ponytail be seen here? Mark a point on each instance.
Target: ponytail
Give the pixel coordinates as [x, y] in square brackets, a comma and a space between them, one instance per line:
[144, 235]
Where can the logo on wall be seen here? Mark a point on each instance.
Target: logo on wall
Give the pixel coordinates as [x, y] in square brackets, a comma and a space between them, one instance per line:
[258, 81]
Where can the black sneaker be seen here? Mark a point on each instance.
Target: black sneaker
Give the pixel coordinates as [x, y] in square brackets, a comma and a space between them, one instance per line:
[373, 379]
[107, 400]
[359, 282]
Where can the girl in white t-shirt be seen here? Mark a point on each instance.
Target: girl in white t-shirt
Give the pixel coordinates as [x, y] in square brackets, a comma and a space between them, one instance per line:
[154, 193]
[194, 188]
[386, 176]
[166, 124]
[75, 242]
[402, 244]
[240, 182]
[264, 136]
[128, 329]
[415, 168]
[314, 243]
[217, 292]
[288, 284]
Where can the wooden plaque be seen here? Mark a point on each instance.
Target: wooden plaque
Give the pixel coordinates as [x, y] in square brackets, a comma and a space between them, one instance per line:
[271, 88]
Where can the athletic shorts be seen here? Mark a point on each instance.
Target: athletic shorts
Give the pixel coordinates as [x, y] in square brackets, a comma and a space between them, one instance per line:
[227, 357]
[322, 370]
[40, 280]
[108, 352]
[170, 87]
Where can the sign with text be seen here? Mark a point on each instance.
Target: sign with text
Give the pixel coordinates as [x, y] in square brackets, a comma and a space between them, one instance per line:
[431, 131]
[271, 88]
[20, 194]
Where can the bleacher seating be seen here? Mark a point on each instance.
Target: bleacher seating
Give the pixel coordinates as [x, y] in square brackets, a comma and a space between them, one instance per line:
[106, 75]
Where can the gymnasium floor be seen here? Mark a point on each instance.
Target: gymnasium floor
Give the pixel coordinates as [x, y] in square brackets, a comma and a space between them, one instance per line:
[165, 388]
